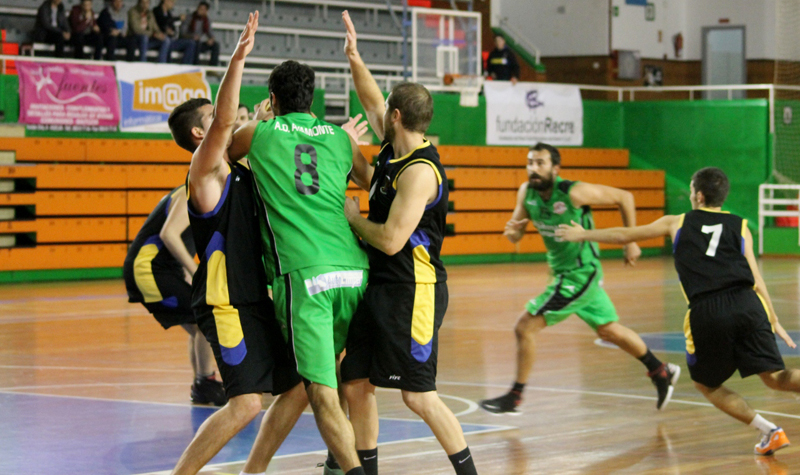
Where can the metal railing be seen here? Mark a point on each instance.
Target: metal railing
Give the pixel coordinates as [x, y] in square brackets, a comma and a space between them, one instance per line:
[766, 208]
[521, 39]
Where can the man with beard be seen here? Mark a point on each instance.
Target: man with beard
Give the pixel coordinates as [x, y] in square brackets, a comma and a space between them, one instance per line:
[576, 284]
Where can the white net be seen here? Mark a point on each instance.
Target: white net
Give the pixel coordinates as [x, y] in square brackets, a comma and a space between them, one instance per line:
[446, 48]
[786, 164]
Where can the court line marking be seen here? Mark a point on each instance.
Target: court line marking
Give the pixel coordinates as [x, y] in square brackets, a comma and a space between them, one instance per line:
[472, 406]
[93, 368]
[64, 299]
[604, 393]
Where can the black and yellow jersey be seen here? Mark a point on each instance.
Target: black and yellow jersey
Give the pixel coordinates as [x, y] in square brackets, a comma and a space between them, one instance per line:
[419, 260]
[147, 256]
[709, 254]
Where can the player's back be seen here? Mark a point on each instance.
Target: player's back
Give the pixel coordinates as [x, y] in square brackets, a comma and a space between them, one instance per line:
[301, 165]
[709, 253]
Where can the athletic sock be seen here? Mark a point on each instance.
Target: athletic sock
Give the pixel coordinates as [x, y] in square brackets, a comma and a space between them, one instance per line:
[463, 463]
[356, 471]
[369, 460]
[331, 461]
[762, 424]
[651, 362]
[518, 387]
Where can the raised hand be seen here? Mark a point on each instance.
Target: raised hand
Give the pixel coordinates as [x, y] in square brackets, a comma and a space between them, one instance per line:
[356, 130]
[350, 48]
[247, 40]
[264, 111]
[571, 233]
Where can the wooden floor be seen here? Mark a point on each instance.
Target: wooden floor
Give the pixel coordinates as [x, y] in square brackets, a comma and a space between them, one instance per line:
[587, 409]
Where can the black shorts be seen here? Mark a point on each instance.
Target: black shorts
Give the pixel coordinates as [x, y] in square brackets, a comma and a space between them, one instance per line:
[394, 336]
[729, 331]
[176, 308]
[250, 351]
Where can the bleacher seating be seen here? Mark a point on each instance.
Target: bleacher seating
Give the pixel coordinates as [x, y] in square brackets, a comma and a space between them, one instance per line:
[79, 202]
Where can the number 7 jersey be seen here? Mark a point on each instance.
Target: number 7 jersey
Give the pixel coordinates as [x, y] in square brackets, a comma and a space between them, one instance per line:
[709, 253]
[301, 165]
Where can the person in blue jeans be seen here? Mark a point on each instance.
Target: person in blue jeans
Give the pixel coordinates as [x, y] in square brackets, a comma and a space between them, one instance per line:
[113, 23]
[144, 33]
[166, 23]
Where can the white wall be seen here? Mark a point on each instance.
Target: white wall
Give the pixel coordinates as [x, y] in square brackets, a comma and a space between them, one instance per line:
[631, 31]
[581, 30]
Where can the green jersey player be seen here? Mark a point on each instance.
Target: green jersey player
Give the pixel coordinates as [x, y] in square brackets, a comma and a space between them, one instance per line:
[576, 284]
[318, 271]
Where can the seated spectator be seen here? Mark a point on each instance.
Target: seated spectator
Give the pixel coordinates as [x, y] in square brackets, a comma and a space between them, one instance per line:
[198, 28]
[166, 22]
[85, 30]
[502, 63]
[144, 34]
[51, 26]
[113, 27]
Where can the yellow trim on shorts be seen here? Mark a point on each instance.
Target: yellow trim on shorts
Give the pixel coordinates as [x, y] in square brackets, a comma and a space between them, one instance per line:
[687, 332]
[143, 273]
[423, 313]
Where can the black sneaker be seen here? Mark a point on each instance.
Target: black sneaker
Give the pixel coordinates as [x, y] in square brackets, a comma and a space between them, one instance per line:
[208, 391]
[506, 403]
[664, 379]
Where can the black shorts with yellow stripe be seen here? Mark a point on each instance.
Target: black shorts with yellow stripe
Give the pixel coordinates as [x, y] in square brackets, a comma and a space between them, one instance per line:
[726, 331]
[167, 296]
[251, 353]
[394, 336]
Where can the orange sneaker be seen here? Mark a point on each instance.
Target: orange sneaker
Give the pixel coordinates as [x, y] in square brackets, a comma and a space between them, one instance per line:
[775, 440]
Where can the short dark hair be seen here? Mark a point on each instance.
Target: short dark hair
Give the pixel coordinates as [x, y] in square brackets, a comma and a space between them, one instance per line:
[293, 86]
[555, 155]
[204, 4]
[714, 185]
[415, 105]
[242, 105]
[183, 118]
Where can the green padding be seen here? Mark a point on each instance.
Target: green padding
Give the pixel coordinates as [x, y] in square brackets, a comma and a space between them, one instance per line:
[781, 241]
[60, 274]
[603, 124]
[535, 257]
[9, 98]
[681, 137]
[521, 52]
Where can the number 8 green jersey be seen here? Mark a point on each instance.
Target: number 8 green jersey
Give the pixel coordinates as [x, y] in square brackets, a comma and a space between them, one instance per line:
[301, 165]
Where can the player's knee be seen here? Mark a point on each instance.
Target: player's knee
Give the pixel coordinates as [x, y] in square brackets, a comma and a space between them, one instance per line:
[608, 332]
[773, 380]
[321, 396]
[526, 326]
[419, 403]
[245, 407]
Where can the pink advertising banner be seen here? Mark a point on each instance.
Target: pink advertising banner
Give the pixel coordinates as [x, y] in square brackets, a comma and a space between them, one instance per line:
[65, 96]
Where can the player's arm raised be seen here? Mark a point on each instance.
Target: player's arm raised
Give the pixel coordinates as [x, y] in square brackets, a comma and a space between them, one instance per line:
[588, 194]
[515, 227]
[761, 288]
[176, 223]
[369, 94]
[362, 171]
[663, 226]
[416, 187]
[208, 170]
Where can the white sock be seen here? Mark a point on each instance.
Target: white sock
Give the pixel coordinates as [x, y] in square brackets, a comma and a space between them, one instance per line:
[762, 424]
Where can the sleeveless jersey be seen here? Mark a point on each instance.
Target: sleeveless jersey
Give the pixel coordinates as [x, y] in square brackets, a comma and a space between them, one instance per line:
[231, 271]
[419, 260]
[148, 251]
[301, 166]
[709, 254]
[562, 256]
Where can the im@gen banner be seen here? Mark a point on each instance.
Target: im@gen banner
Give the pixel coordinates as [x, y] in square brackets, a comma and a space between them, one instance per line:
[67, 96]
[526, 113]
[149, 92]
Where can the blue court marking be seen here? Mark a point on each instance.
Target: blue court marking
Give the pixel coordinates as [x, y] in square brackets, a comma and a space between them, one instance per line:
[675, 342]
[51, 434]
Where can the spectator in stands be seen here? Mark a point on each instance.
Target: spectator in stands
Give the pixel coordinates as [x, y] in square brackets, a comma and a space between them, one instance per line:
[502, 63]
[166, 22]
[198, 28]
[113, 27]
[144, 33]
[85, 30]
[51, 26]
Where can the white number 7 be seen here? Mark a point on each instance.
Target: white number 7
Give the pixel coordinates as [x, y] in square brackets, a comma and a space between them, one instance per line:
[716, 233]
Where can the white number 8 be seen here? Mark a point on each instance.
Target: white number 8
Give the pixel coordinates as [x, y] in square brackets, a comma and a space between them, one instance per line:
[716, 233]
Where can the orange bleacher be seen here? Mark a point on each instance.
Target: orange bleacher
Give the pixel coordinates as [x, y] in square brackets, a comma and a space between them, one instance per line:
[85, 199]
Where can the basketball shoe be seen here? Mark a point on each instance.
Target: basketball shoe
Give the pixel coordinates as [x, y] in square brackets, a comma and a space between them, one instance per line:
[775, 440]
[505, 404]
[207, 390]
[664, 379]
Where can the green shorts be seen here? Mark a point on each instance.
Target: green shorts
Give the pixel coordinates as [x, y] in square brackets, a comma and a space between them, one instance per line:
[314, 306]
[579, 292]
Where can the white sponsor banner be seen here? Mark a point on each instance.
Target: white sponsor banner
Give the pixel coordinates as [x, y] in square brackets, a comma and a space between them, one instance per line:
[149, 92]
[530, 112]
